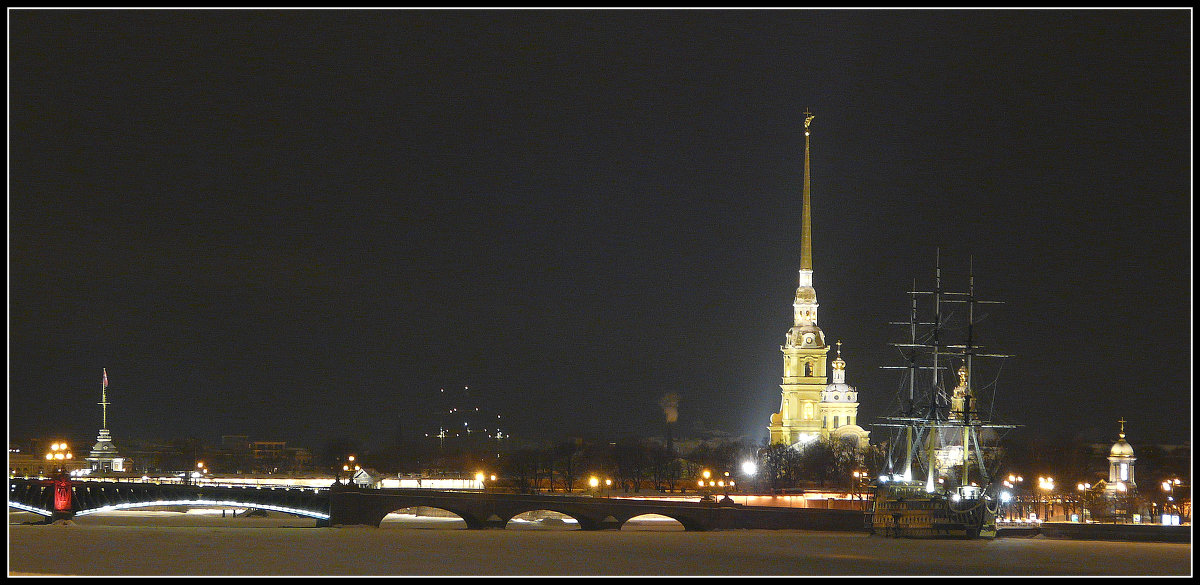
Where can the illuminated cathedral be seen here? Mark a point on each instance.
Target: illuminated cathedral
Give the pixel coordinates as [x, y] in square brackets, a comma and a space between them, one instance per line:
[814, 403]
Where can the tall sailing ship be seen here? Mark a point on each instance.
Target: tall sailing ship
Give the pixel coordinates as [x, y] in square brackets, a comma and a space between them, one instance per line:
[939, 479]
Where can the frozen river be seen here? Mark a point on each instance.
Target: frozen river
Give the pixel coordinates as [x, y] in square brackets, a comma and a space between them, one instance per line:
[175, 543]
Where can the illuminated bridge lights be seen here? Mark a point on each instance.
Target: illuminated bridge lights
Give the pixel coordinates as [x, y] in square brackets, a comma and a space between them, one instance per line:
[26, 508]
[222, 503]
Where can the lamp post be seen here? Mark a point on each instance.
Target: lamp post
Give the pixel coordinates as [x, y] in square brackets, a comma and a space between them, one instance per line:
[349, 467]
[1083, 488]
[1046, 484]
[706, 485]
[749, 469]
[594, 483]
[58, 455]
[1015, 508]
[726, 484]
[199, 472]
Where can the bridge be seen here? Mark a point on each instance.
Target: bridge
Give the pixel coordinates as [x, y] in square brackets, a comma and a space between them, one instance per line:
[66, 498]
[349, 505]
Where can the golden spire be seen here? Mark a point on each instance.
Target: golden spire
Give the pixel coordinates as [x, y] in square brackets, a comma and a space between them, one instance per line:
[806, 229]
[1122, 421]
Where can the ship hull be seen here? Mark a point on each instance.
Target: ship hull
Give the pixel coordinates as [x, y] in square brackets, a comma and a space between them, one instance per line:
[912, 513]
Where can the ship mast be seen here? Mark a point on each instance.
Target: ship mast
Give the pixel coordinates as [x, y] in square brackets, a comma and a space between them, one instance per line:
[936, 396]
[922, 424]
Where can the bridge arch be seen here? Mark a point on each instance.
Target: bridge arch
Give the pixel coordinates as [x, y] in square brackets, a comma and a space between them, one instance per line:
[398, 516]
[472, 518]
[204, 503]
[660, 522]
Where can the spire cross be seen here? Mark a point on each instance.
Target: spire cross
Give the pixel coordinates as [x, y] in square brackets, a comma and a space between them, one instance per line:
[839, 344]
[1122, 421]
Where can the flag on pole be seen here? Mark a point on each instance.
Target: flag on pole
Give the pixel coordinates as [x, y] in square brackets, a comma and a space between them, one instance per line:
[105, 377]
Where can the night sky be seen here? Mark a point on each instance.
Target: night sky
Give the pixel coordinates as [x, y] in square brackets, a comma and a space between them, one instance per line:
[302, 224]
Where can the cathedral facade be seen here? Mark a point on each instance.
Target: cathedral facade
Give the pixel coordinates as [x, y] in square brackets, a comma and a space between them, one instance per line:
[815, 402]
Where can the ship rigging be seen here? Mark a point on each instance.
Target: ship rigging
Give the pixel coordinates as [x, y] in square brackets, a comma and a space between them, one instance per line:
[937, 481]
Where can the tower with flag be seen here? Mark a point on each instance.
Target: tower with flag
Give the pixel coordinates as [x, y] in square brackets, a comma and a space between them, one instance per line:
[104, 456]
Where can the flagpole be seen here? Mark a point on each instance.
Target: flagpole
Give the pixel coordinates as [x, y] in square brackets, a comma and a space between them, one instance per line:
[104, 400]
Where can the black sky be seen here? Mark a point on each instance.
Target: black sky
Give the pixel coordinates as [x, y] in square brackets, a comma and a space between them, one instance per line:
[301, 224]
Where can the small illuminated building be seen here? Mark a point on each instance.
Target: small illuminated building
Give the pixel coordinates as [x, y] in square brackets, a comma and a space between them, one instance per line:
[1120, 488]
[368, 478]
[104, 455]
[1120, 465]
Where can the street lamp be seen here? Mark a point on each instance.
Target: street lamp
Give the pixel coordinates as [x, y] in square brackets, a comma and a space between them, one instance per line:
[594, 482]
[59, 453]
[706, 485]
[349, 467]
[750, 469]
[1168, 488]
[1046, 484]
[726, 483]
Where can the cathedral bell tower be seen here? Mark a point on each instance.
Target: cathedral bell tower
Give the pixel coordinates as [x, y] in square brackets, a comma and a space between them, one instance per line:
[804, 351]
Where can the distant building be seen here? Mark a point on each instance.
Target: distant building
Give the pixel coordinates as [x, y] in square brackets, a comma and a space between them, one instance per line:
[1120, 466]
[368, 478]
[812, 405]
[105, 457]
[36, 458]
[1120, 488]
[239, 454]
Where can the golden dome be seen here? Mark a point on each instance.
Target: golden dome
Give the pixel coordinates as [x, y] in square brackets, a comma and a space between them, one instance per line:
[806, 294]
[1121, 448]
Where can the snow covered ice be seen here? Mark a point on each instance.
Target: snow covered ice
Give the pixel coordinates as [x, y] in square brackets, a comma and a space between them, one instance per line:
[205, 543]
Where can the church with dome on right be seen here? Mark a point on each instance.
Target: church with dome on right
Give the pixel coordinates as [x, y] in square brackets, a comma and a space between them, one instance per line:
[814, 402]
